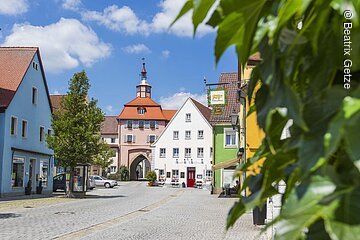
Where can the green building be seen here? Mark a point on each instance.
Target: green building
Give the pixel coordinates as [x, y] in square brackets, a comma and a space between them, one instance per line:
[226, 141]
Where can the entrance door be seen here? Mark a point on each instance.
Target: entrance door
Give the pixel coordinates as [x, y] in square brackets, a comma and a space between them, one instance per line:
[190, 177]
[32, 173]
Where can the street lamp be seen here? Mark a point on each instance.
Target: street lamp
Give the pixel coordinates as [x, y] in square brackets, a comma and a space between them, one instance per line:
[234, 119]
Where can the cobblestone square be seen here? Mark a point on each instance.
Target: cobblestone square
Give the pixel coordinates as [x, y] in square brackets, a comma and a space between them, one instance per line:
[129, 211]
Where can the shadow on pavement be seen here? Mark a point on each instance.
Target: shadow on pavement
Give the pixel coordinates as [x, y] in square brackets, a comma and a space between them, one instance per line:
[104, 197]
[9, 215]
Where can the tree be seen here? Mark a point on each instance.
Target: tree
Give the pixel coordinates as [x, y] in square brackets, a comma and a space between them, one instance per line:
[103, 159]
[76, 128]
[309, 73]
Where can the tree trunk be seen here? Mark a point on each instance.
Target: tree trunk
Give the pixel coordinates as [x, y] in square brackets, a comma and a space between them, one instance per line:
[69, 191]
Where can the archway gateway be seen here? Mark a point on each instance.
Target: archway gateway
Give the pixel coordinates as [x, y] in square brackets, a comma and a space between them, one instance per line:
[139, 167]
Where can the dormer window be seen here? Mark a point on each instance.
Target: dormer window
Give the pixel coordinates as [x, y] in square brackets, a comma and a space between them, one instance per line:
[141, 110]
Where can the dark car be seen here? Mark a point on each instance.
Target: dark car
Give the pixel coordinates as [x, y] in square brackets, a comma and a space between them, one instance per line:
[59, 182]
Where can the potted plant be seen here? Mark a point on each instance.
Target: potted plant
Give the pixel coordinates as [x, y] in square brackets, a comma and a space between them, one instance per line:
[39, 188]
[151, 177]
[28, 188]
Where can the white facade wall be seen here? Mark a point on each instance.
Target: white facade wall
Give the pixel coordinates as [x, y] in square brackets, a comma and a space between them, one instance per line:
[113, 142]
[166, 141]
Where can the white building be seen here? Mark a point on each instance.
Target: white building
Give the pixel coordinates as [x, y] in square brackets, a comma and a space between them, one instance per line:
[110, 135]
[183, 151]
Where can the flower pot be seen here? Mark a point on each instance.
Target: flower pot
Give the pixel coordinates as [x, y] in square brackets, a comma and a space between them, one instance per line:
[27, 190]
[39, 190]
[150, 184]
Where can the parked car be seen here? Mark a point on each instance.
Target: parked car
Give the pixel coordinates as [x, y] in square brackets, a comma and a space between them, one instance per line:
[101, 181]
[59, 182]
[91, 183]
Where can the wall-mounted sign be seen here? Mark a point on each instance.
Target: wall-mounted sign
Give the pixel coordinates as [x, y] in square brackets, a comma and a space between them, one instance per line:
[217, 99]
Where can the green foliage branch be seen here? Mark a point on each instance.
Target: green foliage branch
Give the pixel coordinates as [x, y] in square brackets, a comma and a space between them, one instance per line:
[301, 75]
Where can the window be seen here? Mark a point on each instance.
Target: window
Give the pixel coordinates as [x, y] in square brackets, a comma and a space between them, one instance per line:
[182, 174]
[13, 126]
[112, 140]
[112, 169]
[34, 95]
[162, 152]
[187, 135]
[188, 117]
[175, 152]
[24, 128]
[200, 134]
[44, 172]
[176, 135]
[129, 124]
[17, 175]
[161, 172]
[141, 124]
[153, 124]
[141, 110]
[147, 124]
[187, 152]
[129, 138]
[199, 176]
[175, 173]
[49, 133]
[168, 174]
[135, 124]
[42, 134]
[35, 66]
[151, 138]
[230, 138]
[208, 173]
[211, 151]
[200, 152]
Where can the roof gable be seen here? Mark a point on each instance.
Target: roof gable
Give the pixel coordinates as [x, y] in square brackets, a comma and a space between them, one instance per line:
[14, 63]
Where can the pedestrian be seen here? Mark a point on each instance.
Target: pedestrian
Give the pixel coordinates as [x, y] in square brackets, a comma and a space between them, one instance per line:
[137, 174]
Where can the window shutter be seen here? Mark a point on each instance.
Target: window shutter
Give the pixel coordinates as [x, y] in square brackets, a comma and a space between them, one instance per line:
[125, 124]
[147, 124]
[133, 138]
[125, 138]
[148, 138]
[156, 124]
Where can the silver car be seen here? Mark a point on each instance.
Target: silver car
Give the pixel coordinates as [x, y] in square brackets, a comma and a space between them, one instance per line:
[101, 181]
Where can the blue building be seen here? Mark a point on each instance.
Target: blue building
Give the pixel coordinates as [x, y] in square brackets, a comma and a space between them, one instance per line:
[25, 120]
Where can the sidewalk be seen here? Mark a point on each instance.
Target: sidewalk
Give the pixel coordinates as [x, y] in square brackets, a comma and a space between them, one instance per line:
[32, 201]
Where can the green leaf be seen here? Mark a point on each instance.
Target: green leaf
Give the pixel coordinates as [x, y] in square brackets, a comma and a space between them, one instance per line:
[186, 8]
[201, 9]
[239, 28]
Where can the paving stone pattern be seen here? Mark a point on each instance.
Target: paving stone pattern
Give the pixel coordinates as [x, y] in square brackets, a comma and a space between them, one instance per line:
[131, 211]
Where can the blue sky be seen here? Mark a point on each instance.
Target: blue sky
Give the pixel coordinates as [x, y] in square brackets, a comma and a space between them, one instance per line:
[108, 38]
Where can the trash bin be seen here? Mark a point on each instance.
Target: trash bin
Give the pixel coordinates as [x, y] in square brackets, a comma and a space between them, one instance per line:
[183, 185]
[227, 189]
[259, 215]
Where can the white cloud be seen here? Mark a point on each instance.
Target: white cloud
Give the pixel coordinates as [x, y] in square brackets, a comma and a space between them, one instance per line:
[56, 92]
[183, 27]
[177, 100]
[136, 49]
[165, 54]
[109, 108]
[118, 19]
[63, 45]
[125, 20]
[71, 4]
[13, 7]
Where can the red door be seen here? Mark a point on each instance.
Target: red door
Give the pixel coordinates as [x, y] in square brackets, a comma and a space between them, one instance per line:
[190, 177]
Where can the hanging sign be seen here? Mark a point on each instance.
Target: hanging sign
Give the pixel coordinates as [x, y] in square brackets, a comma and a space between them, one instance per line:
[218, 99]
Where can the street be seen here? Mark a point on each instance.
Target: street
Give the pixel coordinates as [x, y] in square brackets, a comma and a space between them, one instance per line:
[129, 211]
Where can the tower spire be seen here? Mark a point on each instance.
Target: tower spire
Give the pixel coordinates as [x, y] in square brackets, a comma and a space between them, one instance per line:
[143, 70]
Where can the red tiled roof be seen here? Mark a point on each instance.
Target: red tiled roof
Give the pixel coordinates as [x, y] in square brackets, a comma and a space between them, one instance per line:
[14, 62]
[205, 111]
[110, 125]
[231, 80]
[168, 114]
[144, 102]
[153, 110]
[56, 101]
